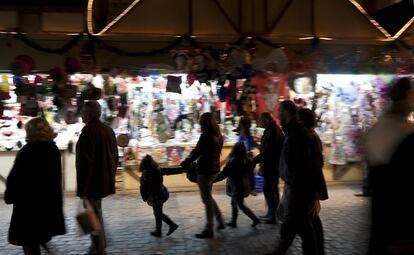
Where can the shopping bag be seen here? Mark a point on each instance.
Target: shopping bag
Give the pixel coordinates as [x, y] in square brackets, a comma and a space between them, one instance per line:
[87, 219]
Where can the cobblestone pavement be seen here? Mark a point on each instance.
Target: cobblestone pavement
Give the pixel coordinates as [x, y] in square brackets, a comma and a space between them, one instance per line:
[129, 220]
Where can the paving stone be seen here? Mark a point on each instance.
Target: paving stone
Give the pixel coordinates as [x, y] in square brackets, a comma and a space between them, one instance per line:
[129, 220]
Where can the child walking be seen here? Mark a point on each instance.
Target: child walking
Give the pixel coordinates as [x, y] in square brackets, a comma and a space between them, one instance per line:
[155, 193]
[237, 171]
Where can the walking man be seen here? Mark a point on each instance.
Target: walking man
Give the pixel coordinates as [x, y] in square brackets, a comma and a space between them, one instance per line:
[96, 163]
[270, 148]
[295, 209]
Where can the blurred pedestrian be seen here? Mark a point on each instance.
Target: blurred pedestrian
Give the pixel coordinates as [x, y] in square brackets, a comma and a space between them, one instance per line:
[207, 155]
[389, 149]
[155, 193]
[34, 187]
[297, 203]
[238, 170]
[96, 164]
[307, 119]
[270, 149]
[246, 138]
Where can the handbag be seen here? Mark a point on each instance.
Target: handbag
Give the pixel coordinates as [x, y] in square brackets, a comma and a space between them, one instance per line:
[192, 172]
[87, 219]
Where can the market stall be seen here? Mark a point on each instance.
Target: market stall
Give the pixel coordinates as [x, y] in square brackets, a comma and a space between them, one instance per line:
[158, 111]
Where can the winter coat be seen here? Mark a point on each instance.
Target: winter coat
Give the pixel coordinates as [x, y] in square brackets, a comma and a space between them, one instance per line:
[270, 148]
[389, 147]
[237, 173]
[34, 187]
[317, 165]
[96, 161]
[152, 188]
[206, 153]
[296, 161]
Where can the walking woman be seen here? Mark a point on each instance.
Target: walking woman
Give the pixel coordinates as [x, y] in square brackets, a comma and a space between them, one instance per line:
[207, 154]
[34, 187]
[238, 170]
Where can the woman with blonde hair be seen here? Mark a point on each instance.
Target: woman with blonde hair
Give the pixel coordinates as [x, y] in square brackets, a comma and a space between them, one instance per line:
[207, 155]
[34, 187]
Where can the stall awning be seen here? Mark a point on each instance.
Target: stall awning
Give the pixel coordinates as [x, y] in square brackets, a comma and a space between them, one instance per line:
[343, 21]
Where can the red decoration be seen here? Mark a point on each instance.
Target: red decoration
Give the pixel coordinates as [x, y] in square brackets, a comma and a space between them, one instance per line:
[29, 61]
[191, 78]
[57, 74]
[270, 87]
[20, 68]
[38, 79]
[72, 65]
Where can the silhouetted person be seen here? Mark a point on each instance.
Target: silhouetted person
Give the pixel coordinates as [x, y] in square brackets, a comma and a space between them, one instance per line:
[207, 154]
[389, 152]
[270, 148]
[307, 119]
[295, 209]
[238, 170]
[155, 193]
[246, 138]
[96, 163]
[34, 187]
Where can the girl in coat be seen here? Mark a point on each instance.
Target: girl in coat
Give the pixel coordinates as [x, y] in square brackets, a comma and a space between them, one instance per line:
[155, 193]
[34, 187]
[237, 171]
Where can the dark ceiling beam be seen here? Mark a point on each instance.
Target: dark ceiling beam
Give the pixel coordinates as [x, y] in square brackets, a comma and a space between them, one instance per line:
[227, 17]
[280, 16]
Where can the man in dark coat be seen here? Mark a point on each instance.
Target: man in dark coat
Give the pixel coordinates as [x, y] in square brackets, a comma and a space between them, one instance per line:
[270, 148]
[389, 147]
[295, 209]
[96, 163]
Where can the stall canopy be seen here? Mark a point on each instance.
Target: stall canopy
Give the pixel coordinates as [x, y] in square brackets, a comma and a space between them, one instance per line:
[339, 21]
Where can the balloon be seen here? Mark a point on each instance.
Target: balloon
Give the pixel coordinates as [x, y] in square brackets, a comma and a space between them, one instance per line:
[28, 60]
[19, 68]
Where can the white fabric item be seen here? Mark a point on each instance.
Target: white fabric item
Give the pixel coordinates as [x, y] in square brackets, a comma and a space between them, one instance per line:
[384, 138]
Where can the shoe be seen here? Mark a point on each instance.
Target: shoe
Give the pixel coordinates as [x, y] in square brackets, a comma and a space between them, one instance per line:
[156, 233]
[255, 223]
[205, 234]
[361, 194]
[221, 226]
[270, 221]
[232, 224]
[172, 229]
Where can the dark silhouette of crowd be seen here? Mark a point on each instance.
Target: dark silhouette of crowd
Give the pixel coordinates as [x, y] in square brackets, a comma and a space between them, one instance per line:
[292, 152]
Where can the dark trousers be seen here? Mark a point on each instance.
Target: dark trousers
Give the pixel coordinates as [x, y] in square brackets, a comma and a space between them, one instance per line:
[160, 217]
[238, 202]
[318, 229]
[299, 223]
[271, 194]
[98, 238]
[252, 182]
[365, 180]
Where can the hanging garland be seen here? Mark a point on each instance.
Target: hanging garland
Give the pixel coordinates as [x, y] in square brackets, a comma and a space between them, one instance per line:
[165, 49]
[65, 48]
